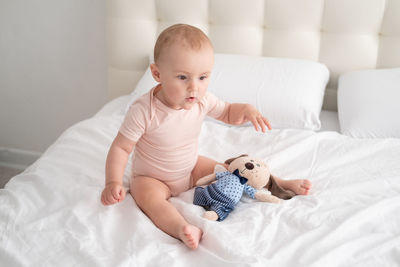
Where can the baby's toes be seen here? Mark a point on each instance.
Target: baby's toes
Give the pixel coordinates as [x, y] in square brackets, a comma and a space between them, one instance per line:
[305, 187]
[306, 191]
[307, 184]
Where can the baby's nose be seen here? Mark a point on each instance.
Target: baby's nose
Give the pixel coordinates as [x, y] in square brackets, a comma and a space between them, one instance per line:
[192, 86]
[249, 166]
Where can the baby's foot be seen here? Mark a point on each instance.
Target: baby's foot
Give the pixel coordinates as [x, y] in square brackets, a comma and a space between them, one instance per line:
[299, 186]
[191, 235]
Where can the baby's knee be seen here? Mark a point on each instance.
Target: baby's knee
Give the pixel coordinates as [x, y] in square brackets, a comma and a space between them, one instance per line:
[140, 197]
[146, 190]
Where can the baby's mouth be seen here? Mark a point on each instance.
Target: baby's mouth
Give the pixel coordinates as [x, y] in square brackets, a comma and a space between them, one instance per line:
[191, 99]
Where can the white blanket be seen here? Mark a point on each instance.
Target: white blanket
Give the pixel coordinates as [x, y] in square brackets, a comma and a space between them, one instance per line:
[51, 214]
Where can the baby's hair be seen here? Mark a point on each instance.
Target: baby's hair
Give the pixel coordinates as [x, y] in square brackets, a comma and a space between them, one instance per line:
[184, 34]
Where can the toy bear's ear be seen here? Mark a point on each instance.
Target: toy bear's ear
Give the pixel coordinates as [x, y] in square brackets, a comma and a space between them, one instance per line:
[228, 161]
[277, 190]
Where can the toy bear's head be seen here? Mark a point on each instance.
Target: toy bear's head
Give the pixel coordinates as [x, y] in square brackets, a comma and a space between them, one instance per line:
[258, 175]
[254, 170]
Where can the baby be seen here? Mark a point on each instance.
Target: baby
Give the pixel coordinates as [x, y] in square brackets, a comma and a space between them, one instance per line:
[164, 125]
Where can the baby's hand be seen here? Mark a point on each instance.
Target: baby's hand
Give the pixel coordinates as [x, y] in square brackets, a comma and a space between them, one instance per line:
[251, 114]
[112, 193]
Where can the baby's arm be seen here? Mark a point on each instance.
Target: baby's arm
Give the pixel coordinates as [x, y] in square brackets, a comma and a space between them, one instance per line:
[117, 159]
[241, 113]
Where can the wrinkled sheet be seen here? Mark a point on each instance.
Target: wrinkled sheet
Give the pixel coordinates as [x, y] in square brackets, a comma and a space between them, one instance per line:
[51, 214]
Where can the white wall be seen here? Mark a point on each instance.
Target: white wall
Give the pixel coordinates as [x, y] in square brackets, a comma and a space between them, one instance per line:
[52, 68]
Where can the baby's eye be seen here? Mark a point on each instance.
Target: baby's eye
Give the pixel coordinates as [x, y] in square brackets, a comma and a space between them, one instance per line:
[203, 78]
[258, 165]
[182, 77]
[251, 160]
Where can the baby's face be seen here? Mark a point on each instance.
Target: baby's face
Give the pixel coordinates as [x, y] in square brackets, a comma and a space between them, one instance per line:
[184, 75]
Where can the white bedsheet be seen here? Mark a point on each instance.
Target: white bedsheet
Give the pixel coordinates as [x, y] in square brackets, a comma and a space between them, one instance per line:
[51, 214]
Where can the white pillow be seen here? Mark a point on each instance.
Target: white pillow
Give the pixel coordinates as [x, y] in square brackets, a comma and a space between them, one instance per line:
[289, 92]
[368, 103]
[144, 85]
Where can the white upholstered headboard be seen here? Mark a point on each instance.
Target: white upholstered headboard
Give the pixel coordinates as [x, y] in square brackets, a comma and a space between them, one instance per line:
[345, 35]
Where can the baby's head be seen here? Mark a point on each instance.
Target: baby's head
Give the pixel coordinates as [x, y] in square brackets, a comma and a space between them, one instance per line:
[184, 35]
[183, 60]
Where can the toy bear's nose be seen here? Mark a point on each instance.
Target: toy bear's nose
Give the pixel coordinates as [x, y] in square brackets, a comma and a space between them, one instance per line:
[249, 166]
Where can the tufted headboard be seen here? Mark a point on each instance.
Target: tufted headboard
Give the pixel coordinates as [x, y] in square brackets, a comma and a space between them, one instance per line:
[345, 35]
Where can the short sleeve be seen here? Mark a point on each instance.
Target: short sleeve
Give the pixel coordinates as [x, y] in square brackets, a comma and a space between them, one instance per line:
[135, 121]
[249, 190]
[214, 106]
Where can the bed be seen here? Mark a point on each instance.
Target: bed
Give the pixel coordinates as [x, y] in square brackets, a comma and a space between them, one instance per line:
[51, 214]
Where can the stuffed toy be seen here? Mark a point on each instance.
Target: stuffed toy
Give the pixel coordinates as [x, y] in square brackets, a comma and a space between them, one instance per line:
[244, 175]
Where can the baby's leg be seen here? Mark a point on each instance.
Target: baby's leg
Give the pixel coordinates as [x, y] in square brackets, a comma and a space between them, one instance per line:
[152, 195]
[204, 166]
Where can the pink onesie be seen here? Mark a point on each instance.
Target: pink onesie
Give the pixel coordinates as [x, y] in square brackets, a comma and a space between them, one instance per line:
[167, 139]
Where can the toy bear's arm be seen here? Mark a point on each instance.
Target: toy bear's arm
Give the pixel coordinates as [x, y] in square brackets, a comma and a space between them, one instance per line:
[265, 197]
[206, 179]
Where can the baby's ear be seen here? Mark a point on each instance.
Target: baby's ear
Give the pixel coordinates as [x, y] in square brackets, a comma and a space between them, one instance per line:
[155, 72]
